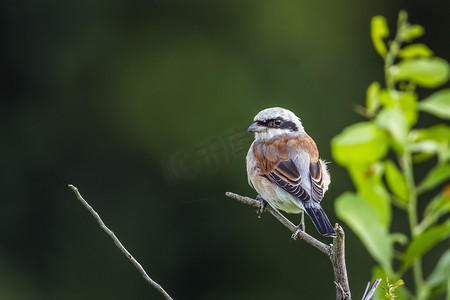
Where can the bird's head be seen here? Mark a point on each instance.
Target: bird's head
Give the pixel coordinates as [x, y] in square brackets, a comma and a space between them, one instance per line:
[275, 121]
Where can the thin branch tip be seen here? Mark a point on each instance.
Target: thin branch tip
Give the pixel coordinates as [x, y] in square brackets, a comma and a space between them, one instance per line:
[119, 245]
[75, 190]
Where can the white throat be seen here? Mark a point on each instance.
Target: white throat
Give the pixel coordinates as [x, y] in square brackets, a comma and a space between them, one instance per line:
[273, 132]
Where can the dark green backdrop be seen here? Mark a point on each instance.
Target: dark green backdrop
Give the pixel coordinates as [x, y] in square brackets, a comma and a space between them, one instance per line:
[143, 105]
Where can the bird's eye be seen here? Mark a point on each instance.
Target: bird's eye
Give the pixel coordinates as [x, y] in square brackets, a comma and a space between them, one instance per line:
[277, 122]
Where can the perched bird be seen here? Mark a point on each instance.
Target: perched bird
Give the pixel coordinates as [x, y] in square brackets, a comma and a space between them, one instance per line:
[284, 167]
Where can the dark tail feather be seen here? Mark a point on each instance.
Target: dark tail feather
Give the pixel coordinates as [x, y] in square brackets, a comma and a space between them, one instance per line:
[319, 218]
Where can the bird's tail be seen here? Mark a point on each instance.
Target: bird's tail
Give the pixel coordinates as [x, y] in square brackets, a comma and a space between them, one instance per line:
[319, 218]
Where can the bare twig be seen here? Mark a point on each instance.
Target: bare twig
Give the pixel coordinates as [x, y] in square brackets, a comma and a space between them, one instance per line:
[335, 252]
[119, 244]
[337, 257]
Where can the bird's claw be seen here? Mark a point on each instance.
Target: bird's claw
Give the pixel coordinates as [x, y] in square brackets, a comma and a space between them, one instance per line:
[263, 205]
[300, 228]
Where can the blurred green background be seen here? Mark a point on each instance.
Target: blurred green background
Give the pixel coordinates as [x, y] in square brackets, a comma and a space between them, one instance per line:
[143, 105]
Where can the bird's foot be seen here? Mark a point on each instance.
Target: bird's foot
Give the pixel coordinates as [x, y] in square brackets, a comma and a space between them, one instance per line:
[295, 235]
[300, 227]
[263, 205]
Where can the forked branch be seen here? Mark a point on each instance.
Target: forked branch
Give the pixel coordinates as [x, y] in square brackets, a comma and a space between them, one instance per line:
[335, 252]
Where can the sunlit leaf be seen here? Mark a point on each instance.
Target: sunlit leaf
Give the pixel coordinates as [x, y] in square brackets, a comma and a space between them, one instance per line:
[406, 101]
[421, 157]
[359, 144]
[430, 141]
[441, 272]
[429, 73]
[437, 104]
[369, 184]
[396, 181]
[436, 176]
[415, 51]
[379, 30]
[440, 205]
[396, 124]
[412, 32]
[423, 242]
[400, 238]
[359, 214]
[423, 150]
[429, 147]
[373, 98]
[439, 133]
[444, 153]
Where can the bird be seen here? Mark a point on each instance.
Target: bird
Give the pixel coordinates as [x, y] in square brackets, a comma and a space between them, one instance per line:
[284, 167]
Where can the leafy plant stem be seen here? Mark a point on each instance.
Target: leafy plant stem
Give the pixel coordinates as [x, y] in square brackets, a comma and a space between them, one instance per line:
[406, 162]
[389, 60]
[393, 111]
[405, 158]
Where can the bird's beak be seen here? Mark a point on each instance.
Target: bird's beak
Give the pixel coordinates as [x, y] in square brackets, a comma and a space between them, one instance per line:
[255, 127]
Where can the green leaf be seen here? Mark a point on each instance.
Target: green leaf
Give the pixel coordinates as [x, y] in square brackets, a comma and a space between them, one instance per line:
[425, 72]
[437, 104]
[396, 181]
[359, 144]
[430, 141]
[412, 32]
[444, 153]
[436, 176]
[394, 121]
[406, 101]
[415, 51]
[379, 31]
[400, 238]
[441, 272]
[359, 214]
[423, 242]
[439, 206]
[369, 185]
[439, 133]
[428, 147]
[373, 98]
[423, 150]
